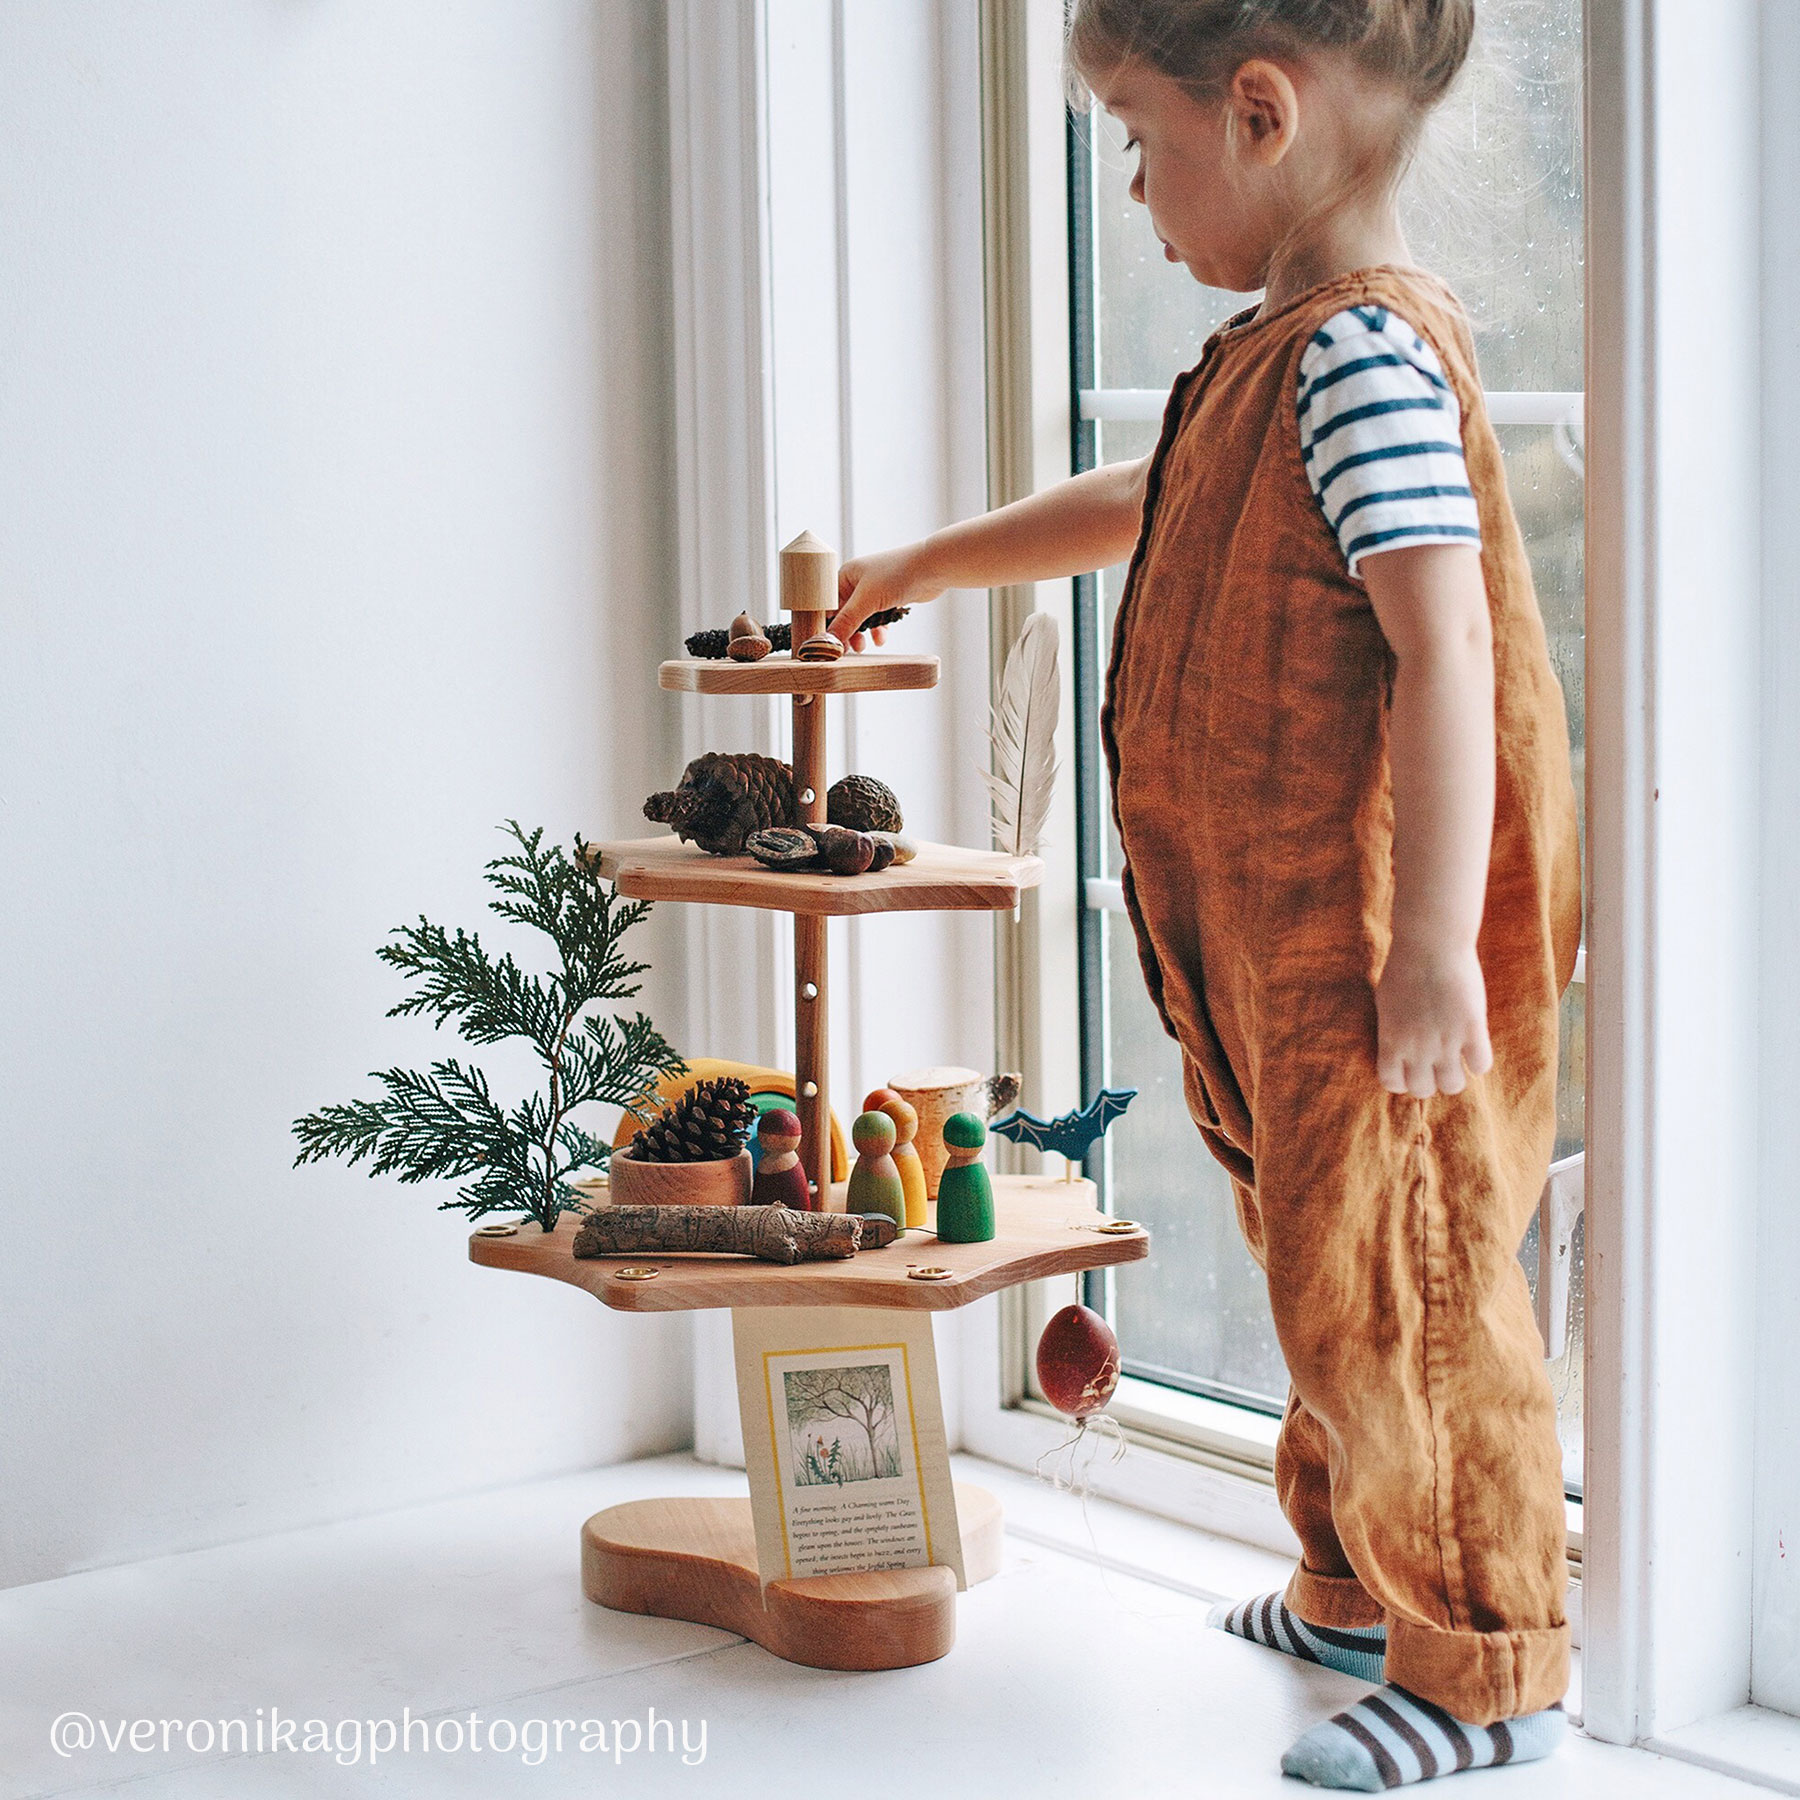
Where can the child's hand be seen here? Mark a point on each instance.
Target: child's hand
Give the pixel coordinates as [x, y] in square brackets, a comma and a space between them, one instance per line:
[1431, 1019]
[871, 584]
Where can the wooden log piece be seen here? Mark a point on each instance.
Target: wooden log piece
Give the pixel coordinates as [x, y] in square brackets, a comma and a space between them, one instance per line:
[770, 1233]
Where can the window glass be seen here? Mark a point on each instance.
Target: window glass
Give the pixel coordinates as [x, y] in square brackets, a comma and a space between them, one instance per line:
[1493, 204]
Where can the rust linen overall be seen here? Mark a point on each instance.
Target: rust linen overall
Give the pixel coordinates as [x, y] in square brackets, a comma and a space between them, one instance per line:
[1246, 734]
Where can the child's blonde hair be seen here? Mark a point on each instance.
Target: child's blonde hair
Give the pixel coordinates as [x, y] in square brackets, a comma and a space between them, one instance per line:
[1415, 48]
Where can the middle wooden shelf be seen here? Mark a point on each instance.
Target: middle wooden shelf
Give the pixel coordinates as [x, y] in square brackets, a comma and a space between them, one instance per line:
[941, 878]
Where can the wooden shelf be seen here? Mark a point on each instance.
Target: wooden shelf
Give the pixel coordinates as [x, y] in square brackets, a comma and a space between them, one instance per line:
[941, 878]
[1045, 1226]
[855, 672]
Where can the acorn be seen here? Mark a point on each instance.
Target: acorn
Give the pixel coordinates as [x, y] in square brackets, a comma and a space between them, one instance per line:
[746, 642]
[846, 852]
[884, 851]
[864, 804]
[820, 647]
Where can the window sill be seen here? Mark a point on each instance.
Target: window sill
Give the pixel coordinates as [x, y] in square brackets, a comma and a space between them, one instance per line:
[1749, 1742]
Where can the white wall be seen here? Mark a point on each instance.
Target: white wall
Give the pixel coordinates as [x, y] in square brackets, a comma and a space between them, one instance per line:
[333, 472]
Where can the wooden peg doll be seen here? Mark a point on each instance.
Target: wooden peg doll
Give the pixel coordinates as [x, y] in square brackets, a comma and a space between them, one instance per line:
[965, 1202]
[906, 1153]
[780, 1180]
[875, 1182]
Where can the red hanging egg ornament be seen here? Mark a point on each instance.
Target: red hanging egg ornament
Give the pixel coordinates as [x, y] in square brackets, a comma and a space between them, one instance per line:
[1078, 1362]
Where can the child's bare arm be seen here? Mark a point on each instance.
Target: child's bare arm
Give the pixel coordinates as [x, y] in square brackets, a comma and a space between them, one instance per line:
[1089, 522]
[1431, 1003]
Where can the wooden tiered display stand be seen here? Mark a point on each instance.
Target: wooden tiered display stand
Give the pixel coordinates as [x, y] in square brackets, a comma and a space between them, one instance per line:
[694, 1558]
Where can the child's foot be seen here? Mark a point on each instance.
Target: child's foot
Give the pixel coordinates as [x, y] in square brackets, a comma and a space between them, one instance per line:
[1394, 1738]
[1265, 1620]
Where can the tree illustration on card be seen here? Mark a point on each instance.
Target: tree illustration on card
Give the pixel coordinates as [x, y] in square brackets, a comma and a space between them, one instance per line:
[822, 1404]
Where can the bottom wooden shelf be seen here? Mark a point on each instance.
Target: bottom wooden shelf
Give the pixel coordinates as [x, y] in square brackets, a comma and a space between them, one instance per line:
[695, 1559]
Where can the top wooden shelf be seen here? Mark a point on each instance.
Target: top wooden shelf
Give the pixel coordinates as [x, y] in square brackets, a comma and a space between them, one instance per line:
[1043, 1226]
[855, 672]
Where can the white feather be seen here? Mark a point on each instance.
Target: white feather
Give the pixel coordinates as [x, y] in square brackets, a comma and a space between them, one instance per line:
[1023, 778]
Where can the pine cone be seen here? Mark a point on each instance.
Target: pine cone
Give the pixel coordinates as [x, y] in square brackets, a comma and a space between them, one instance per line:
[862, 803]
[723, 798]
[715, 644]
[711, 1120]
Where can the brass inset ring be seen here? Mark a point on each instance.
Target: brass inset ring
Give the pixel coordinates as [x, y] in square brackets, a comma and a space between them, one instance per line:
[1118, 1227]
[929, 1273]
[496, 1231]
[635, 1272]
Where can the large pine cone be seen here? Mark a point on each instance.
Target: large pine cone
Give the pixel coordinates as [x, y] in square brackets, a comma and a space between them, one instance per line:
[861, 803]
[723, 798]
[711, 1120]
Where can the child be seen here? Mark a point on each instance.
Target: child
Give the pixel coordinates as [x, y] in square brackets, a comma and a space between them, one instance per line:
[1340, 775]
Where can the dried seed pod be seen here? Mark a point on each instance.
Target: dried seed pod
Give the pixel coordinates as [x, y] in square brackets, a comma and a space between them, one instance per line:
[821, 647]
[863, 804]
[783, 847]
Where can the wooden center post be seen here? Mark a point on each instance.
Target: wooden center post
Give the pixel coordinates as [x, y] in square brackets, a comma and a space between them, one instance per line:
[809, 571]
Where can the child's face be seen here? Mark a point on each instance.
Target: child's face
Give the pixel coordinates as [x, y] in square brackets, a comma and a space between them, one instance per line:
[1211, 204]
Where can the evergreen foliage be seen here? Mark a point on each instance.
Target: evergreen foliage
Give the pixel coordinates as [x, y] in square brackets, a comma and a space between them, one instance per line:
[446, 1124]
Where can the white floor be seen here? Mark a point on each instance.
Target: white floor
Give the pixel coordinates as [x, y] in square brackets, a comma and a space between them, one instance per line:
[1070, 1675]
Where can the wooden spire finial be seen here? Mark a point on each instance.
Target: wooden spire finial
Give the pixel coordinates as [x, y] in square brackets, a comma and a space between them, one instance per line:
[809, 569]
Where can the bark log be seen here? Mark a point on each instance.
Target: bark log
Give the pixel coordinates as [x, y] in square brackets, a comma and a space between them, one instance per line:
[772, 1233]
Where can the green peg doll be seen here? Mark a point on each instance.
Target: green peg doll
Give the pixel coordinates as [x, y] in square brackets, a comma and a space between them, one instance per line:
[965, 1203]
[875, 1184]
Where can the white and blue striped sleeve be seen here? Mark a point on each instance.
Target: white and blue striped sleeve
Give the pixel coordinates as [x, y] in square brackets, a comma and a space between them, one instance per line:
[1381, 437]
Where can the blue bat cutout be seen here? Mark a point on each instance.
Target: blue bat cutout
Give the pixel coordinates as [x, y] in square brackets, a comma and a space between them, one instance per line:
[1071, 1135]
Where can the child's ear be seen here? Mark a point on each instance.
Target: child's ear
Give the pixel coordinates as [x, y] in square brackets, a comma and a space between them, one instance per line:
[1265, 110]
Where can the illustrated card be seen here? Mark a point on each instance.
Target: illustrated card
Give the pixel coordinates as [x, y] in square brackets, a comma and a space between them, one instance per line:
[844, 1441]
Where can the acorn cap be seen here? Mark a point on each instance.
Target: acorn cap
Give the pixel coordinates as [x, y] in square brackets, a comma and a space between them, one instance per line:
[963, 1131]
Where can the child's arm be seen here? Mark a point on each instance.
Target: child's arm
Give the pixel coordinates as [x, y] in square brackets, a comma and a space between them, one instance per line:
[1089, 522]
[1430, 1003]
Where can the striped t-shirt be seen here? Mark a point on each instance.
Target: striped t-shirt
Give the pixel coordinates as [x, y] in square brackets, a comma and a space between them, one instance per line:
[1380, 433]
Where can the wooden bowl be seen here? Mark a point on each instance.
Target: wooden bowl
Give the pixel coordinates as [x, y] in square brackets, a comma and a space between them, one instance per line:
[725, 1182]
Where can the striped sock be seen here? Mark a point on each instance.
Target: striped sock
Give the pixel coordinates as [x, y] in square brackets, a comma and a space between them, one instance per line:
[1394, 1738]
[1266, 1620]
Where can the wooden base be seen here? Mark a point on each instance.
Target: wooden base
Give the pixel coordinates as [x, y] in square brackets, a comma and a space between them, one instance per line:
[695, 1559]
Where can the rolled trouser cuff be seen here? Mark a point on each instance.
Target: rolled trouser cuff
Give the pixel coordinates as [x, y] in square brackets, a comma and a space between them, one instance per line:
[1479, 1676]
[1340, 1601]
